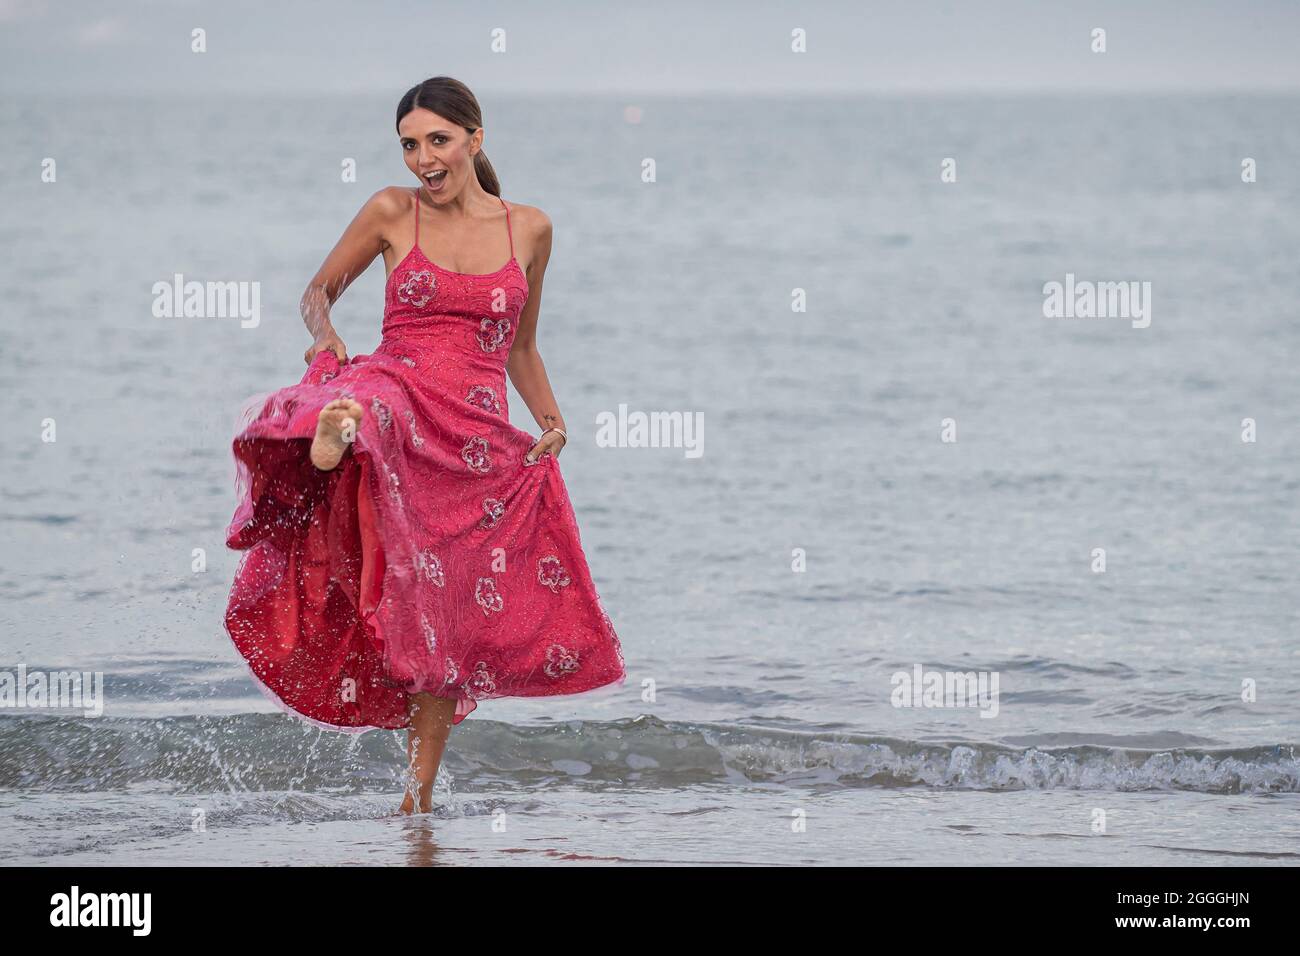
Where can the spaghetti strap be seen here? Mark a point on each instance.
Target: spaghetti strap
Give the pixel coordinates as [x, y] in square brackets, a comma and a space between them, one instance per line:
[417, 218]
[510, 235]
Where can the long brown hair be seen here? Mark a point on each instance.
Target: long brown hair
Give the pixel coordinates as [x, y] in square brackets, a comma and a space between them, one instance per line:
[452, 99]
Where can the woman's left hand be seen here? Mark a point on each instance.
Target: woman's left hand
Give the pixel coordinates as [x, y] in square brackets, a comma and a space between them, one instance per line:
[549, 442]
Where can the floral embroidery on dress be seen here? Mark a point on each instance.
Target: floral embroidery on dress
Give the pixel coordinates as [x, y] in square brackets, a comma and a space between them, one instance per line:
[480, 683]
[482, 396]
[492, 332]
[430, 638]
[416, 440]
[494, 508]
[430, 565]
[450, 671]
[382, 413]
[475, 454]
[559, 661]
[551, 573]
[487, 596]
[417, 290]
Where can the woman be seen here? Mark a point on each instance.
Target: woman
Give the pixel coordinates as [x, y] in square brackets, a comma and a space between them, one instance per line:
[409, 551]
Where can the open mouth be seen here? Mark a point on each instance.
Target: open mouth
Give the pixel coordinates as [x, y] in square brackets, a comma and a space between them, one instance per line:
[436, 178]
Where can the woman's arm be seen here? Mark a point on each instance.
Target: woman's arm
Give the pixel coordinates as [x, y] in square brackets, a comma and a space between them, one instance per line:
[363, 240]
[525, 367]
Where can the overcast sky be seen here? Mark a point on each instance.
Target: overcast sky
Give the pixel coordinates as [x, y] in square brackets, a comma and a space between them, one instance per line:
[657, 46]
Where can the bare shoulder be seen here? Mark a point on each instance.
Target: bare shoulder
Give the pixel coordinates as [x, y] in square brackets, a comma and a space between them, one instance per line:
[529, 221]
[532, 229]
[390, 201]
[384, 214]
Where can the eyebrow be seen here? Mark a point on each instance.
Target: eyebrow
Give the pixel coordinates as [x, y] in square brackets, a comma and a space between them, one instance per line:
[435, 132]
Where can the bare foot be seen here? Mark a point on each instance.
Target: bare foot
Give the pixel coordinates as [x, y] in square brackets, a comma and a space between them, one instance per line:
[335, 430]
[408, 805]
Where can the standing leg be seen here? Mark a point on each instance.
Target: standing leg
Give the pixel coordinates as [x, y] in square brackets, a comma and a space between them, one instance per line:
[430, 727]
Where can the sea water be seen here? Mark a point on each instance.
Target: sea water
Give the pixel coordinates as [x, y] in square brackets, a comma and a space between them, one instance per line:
[910, 469]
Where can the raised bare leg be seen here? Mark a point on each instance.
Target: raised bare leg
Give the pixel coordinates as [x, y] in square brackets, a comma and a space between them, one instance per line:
[335, 429]
[430, 727]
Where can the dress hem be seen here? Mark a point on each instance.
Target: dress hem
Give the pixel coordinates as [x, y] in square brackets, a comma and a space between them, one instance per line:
[286, 482]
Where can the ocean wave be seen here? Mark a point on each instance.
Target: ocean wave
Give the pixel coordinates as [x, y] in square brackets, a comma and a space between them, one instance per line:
[262, 752]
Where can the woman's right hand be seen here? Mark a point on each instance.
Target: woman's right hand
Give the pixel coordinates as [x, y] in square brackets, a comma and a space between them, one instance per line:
[331, 341]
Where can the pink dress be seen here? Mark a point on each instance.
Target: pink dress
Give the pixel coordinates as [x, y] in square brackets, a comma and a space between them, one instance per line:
[434, 557]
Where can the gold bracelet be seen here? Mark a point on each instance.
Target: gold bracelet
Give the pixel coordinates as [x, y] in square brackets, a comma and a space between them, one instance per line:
[563, 433]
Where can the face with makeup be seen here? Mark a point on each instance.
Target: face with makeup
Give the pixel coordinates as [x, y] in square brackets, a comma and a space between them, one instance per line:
[438, 152]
